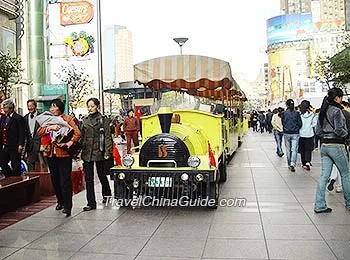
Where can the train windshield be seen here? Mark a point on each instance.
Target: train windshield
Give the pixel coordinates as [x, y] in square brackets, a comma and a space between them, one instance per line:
[176, 100]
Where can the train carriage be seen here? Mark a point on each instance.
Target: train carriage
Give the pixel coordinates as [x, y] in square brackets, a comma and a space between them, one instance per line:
[184, 152]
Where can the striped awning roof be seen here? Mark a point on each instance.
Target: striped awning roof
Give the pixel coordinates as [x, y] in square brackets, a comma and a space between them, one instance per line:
[197, 75]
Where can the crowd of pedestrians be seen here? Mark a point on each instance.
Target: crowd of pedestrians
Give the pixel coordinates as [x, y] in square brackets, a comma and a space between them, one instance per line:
[302, 128]
[53, 139]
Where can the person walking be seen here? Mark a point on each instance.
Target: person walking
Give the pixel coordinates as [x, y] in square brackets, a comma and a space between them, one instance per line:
[306, 140]
[254, 121]
[12, 137]
[262, 121]
[335, 177]
[96, 150]
[269, 116]
[277, 127]
[332, 129]
[131, 129]
[59, 158]
[291, 122]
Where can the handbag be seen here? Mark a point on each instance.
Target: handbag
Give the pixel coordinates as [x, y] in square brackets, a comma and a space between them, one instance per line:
[75, 149]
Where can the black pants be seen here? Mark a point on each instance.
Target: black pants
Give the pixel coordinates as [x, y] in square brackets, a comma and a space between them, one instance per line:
[306, 146]
[60, 171]
[10, 155]
[89, 179]
[316, 141]
[262, 126]
[255, 126]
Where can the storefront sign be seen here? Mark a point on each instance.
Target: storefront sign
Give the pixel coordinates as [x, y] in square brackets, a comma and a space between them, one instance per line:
[76, 12]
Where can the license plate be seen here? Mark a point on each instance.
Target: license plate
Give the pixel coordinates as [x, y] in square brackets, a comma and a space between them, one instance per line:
[160, 181]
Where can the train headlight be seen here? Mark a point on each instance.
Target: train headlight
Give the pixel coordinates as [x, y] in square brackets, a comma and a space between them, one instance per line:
[136, 183]
[199, 177]
[184, 177]
[121, 176]
[128, 160]
[193, 161]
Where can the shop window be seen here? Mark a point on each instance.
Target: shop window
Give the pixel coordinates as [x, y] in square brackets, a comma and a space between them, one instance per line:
[7, 41]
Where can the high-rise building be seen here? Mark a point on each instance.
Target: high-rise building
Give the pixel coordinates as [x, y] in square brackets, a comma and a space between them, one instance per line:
[117, 55]
[332, 10]
[295, 6]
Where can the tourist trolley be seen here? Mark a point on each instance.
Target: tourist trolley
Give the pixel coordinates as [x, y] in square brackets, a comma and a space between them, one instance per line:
[184, 150]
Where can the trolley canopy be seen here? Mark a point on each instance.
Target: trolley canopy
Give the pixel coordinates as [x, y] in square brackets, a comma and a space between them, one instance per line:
[197, 75]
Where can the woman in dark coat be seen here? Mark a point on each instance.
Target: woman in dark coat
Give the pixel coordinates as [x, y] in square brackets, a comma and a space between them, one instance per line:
[96, 149]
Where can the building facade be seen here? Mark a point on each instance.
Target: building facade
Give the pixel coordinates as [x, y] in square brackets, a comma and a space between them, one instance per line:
[308, 30]
[8, 27]
[117, 55]
[332, 10]
[295, 6]
[347, 14]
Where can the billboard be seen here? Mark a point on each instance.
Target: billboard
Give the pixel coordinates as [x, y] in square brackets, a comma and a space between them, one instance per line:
[76, 12]
[289, 27]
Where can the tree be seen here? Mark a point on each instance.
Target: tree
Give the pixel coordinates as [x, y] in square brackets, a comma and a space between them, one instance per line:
[111, 98]
[79, 84]
[340, 66]
[10, 73]
[324, 74]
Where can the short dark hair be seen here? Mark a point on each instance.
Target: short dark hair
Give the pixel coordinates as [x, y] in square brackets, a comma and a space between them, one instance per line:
[94, 100]
[31, 101]
[58, 103]
[131, 110]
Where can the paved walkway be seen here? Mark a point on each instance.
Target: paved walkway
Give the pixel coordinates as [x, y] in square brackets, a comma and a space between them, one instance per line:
[277, 223]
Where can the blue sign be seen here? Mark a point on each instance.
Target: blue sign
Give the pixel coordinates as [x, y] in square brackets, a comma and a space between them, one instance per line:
[289, 27]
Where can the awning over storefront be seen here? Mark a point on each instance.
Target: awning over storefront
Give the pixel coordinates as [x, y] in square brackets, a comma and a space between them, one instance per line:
[197, 75]
[48, 98]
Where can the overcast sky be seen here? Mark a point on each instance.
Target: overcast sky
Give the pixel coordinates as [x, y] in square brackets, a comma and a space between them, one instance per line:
[231, 30]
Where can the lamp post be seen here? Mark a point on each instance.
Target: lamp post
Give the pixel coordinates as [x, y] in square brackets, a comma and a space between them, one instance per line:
[180, 42]
[99, 51]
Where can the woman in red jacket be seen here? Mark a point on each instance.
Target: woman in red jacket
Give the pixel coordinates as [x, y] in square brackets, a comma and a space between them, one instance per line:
[131, 129]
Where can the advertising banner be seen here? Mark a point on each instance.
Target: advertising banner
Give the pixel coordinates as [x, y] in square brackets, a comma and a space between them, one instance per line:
[291, 27]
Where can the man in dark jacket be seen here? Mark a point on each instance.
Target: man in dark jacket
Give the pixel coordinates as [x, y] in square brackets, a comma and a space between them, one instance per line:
[262, 121]
[12, 137]
[291, 122]
[268, 121]
[33, 140]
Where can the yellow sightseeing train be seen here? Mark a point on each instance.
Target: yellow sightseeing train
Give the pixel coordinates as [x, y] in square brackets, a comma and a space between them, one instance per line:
[185, 150]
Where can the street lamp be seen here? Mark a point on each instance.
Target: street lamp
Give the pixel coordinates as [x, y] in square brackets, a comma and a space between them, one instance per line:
[180, 42]
[99, 56]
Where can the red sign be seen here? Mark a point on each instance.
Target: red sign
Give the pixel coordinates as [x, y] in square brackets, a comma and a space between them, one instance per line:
[76, 12]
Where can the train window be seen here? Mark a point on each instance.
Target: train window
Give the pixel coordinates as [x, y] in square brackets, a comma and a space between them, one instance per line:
[219, 109]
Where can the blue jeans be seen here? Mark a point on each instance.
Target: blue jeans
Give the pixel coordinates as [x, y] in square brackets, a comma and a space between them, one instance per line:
[291, 142]
[278, 138]
[332, 154]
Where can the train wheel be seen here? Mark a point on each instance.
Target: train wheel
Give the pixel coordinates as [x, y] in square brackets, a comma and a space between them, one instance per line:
[214, 194]
[223, 171]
